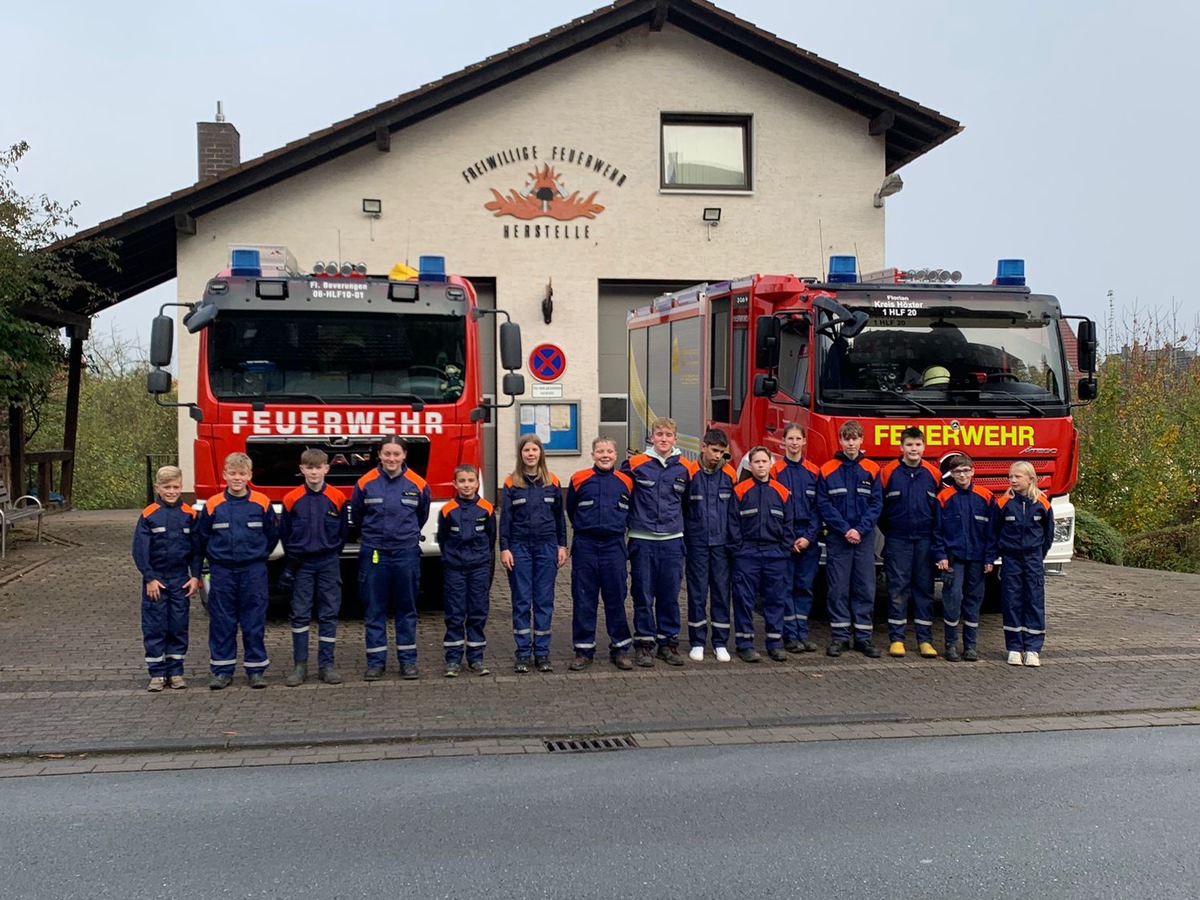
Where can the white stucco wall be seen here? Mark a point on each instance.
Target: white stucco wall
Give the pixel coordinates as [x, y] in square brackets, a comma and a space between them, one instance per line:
[815, 170]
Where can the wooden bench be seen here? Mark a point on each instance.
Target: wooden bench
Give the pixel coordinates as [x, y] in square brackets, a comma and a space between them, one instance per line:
[12, 511]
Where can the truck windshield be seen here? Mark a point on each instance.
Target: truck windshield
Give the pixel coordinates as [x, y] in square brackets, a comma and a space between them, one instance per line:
[983, 362]
[337, 357]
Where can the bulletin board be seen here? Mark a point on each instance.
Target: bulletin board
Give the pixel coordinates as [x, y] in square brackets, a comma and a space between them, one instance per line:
[556, 422]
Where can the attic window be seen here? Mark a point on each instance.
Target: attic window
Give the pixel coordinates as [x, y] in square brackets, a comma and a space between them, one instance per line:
[705, 152]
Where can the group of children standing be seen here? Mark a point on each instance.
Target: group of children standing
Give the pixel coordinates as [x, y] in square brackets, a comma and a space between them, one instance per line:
[739, 546]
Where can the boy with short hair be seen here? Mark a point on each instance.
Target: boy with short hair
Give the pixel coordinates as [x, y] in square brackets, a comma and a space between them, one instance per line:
[313, 528]
[710, 531]
[466, 535]
[598, 508]
[963, 548]
[910, 489]
[849, 500]
[656, 544]
[238, 530]
[166, 553]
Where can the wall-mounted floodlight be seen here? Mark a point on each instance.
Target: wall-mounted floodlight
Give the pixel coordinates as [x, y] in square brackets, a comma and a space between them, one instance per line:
[372, 207]
[712, 218]
[893, 184]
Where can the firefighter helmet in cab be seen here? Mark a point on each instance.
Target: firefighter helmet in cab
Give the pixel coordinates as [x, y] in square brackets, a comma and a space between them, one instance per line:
[936, 376]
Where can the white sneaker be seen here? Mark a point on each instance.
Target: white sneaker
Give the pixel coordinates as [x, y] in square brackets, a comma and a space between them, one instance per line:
[1032, 659]
[1014, 657]
[722, 654]
[696, 654]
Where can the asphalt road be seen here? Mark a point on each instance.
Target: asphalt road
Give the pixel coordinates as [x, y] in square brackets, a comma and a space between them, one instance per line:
[1072, 814]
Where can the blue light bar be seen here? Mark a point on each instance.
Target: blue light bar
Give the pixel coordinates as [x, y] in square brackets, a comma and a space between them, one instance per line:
[244, 261]
[843, 269]
[432, 268]
[1010, 271]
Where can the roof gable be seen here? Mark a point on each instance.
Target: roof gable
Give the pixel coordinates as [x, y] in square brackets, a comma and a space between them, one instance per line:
[148, 235]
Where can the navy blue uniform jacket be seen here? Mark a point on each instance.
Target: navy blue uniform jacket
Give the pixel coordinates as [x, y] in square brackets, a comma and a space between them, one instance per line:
[964, 528]
[390, 510]
[236, 531]
[1024, 525]
[165, 540]
[800, 478]
[313, 523]
[532, 514]
[466, 532]
[598, 503]
[909, 499]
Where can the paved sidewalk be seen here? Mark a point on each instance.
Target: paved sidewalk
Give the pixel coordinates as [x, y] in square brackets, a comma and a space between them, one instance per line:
[72, 679]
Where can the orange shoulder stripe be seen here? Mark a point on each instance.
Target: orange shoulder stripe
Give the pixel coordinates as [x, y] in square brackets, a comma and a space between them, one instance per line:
[149, 509]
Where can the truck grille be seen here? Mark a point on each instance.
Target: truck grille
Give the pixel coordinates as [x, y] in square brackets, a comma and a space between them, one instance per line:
[276, 461]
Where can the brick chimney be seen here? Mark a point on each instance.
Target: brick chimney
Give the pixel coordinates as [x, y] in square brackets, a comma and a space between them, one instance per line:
[218, 146]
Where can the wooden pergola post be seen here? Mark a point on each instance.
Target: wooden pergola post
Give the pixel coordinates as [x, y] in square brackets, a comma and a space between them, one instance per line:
[77, 334]
[16, 450]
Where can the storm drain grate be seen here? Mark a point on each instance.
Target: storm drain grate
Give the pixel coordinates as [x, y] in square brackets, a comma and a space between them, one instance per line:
[591, 745]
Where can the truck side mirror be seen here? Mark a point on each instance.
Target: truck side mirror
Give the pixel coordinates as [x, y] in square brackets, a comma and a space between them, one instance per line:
[1087, 346]
[765, 385]
[162, 333]
[510, 347]
[158, 381]
[766, 344]
[200, 317]
[1088, 389]
[513, 384]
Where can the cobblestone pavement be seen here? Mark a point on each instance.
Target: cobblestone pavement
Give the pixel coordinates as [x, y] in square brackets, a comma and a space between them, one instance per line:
[1123, 648]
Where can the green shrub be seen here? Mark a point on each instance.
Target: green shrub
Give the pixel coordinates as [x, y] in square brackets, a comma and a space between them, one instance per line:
[1096, 539]
[1170, 549]
[119, 425]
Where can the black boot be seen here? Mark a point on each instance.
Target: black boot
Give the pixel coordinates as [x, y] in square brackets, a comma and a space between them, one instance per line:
[298, 676]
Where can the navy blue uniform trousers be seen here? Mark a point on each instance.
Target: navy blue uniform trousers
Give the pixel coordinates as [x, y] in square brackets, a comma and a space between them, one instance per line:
[850, 570]
[317, 578]
[598, 570]
[237, 597]
[764, 578]
[1023, 600]
[962, 599]
[390, 583]
[908, 570]
[165, 626]
[535, 566]
[802, 572]
[466, 598]
[656, 572]
[708, 590]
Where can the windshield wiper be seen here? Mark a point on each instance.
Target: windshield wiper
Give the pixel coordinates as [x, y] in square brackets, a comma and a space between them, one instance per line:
[841, 394]
[995, 395]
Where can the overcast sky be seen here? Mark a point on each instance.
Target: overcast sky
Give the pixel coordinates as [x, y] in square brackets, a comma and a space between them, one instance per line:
[1078, 155]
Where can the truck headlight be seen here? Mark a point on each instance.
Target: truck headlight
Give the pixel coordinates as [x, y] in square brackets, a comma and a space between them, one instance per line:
[1063, 529]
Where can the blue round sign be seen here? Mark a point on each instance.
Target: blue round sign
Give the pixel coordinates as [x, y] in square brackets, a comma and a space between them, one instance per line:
[547, 362]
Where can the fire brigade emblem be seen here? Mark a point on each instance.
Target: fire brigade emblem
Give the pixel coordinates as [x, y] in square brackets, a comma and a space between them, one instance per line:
[544, 196]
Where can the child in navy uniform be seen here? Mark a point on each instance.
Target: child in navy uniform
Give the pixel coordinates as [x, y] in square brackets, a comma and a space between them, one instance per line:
[1024, 529]
[313, 529]
[466, 534]
[533, 547]
[710, 532]
[761, 550]
[962, 546]
[800, 477]
[598, 507]
[910, 489]
[165, 552]
[850, 499]
[238, 530]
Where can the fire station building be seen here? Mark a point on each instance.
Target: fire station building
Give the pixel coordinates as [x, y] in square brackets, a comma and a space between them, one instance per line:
[648, 146]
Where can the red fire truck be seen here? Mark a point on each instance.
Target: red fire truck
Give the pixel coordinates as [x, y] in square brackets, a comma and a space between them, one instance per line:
[979, 368]
[336, 359]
